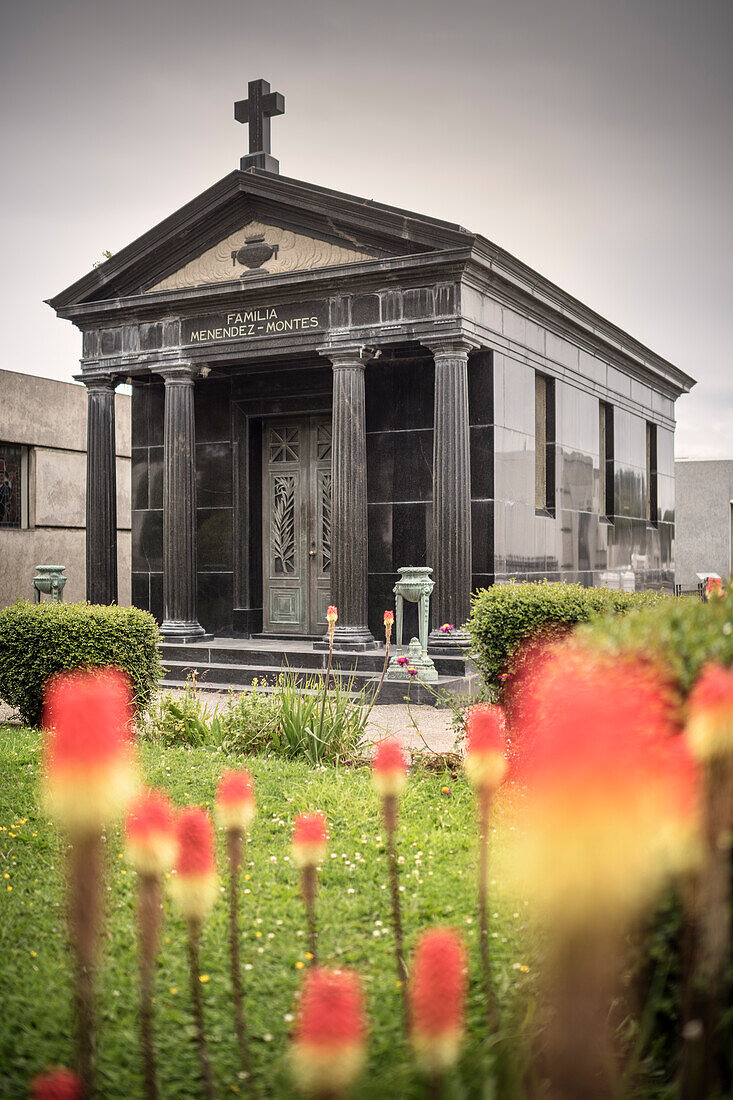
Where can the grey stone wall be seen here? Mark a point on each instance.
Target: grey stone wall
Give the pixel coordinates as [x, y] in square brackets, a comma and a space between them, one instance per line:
[704, 518]
[50, 419]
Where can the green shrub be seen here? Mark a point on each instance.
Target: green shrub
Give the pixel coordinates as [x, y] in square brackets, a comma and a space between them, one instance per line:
[505, 615]
[37, 640]
[685, 634]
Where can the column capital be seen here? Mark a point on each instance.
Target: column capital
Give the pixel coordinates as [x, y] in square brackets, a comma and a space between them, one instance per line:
[99, 382]
[451, 346]
[180, 373]
[348, 355]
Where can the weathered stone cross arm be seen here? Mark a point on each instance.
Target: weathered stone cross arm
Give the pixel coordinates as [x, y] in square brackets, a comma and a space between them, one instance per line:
[256, 111]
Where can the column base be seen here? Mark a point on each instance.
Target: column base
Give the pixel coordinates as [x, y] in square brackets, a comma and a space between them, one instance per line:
[175, 630]
[356, 639]
[448, 644]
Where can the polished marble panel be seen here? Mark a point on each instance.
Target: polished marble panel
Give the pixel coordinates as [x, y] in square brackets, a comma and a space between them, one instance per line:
[482, 536]
[155, 477]
[400, 465]
[480, 388]
[399, 394]
[213, 475]
[576, 479]
[214, 533]
[665, 452]
[147, 540]
[665, 499]
[514, 395]
[139, 477]
[514, 466]
[141, 590]
[482, 463]
[216, 601]
[576, 422]
[629, 438]
[411, 534]
[212, 410]
[379, 519]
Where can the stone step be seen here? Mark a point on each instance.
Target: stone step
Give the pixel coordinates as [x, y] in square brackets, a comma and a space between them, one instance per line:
[391, 692]
[303, 657]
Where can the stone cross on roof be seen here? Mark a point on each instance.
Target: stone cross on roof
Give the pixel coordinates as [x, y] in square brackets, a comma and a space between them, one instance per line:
[256, 112]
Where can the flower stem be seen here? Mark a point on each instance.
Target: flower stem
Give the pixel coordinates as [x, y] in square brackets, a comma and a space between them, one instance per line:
[325, 684]
[149, 912]
[484, 807]
[85, 862]
[234, 855]
[309, 888]
[389, 811]
[194, 935]
[381, 681]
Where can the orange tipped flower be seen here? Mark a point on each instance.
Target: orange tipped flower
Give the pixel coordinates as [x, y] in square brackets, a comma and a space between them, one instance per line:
[194, 884]
[150, 838]
[329, 1047]
[389, 769]
[331, 616]
[710, 714]
[485, 761]
[388, 624]
[89, 765]
[609, 793]
[310, 839]
[437, 997]
[235, 800]
[713, 587]
[58, 1084]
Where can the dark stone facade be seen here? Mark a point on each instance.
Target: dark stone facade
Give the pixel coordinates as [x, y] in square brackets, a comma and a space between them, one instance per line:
[454, 461]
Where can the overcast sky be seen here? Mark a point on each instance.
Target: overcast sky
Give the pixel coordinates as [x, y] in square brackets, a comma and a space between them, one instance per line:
[590, 138]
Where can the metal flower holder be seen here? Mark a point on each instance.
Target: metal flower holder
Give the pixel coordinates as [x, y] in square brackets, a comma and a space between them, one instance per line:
[415, 585]
[51, 580]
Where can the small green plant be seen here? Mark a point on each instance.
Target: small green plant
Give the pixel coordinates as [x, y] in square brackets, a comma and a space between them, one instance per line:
[302, 702]
[186, 718]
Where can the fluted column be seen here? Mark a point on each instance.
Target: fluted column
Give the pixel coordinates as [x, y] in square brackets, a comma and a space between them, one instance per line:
[101, 530]
[180, 620]
[451, 494]
[349, 567]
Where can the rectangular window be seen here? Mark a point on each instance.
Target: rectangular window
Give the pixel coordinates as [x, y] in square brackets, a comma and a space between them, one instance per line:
[651, 474]
[13, 486]
[605, 458]
[544, 443]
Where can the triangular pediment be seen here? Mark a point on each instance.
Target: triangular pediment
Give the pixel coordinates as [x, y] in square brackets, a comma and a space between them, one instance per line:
[310, 227]
[241, 253]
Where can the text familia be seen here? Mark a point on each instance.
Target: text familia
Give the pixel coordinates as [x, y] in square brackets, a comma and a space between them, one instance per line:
[251, 322]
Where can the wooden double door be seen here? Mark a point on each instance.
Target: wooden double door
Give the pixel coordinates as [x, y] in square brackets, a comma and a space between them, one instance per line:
[296, 524]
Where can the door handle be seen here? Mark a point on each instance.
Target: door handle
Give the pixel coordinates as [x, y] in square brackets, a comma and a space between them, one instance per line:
[312, 553]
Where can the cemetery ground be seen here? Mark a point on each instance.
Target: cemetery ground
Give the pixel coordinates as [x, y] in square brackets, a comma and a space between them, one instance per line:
[436, 843]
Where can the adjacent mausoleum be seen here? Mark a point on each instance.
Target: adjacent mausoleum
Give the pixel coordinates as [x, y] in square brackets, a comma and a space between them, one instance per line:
[326, 388]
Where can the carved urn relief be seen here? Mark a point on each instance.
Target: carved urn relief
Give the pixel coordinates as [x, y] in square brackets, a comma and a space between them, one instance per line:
[253, 254]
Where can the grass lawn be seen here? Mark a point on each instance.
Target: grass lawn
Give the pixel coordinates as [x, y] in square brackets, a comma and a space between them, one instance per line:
[437, 844]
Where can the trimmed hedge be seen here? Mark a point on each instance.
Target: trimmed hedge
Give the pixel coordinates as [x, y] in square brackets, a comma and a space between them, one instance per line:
[684, 634]
[37, 640]
[506, 615]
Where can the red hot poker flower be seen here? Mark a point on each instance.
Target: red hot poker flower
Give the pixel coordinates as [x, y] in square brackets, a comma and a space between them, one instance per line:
[437, 997]
[235, 800]
[310, 839]
[194, 884]
[57, 1084]
[710, 714]
[606, 788]
[150, 839]
[89, 765]
[389, 769]
[485, 761]
[330, 1038]
[332, 615]
[389, 618]
[713, 587]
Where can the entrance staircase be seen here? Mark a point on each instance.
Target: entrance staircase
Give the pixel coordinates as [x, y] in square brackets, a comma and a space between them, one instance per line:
[223, 664]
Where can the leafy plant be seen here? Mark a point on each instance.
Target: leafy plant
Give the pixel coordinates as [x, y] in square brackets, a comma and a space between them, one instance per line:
[505, 615]
[38, 640]
[185, 718]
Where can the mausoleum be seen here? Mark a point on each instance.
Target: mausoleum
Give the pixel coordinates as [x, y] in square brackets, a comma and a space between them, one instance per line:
[326, 388]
